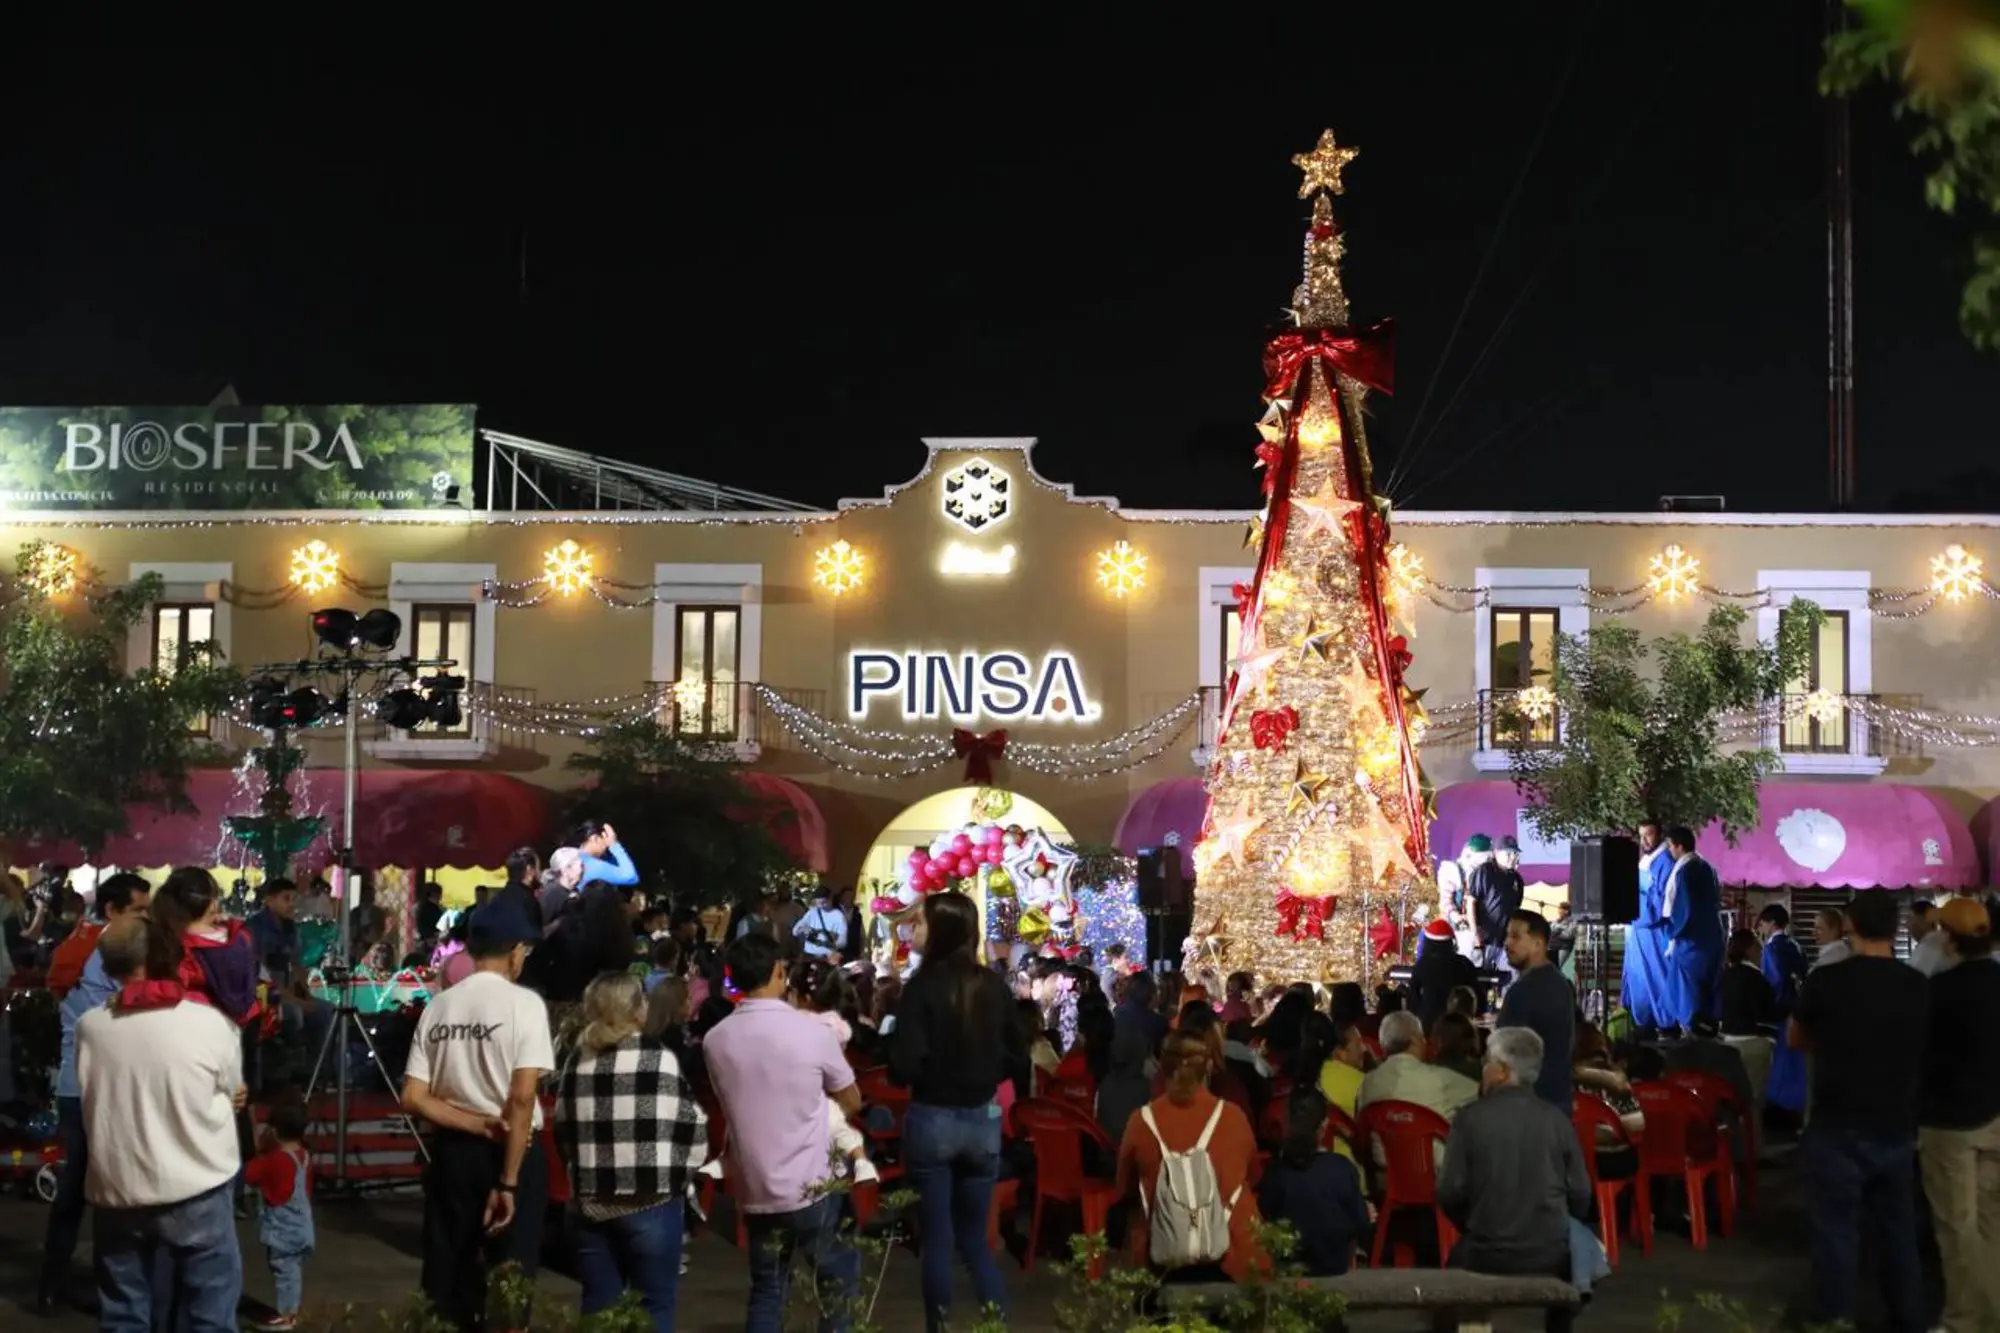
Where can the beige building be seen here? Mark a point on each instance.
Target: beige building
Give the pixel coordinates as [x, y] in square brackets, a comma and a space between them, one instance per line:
[840, 651]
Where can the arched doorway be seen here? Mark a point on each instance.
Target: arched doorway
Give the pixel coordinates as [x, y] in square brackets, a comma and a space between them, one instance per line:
[885, 869]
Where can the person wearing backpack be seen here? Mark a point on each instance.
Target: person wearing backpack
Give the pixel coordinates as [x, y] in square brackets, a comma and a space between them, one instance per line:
[1190, 1154]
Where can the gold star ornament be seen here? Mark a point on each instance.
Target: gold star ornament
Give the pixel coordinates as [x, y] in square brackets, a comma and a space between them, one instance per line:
[1323, 166]
[1306, 787]
[1324, 510]
[1315, 642]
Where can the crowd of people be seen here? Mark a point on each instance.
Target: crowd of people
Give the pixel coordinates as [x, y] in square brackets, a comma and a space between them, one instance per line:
[580, 1038]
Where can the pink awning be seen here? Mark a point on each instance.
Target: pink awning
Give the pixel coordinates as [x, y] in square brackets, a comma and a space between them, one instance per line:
[1830, 835]
[1176, 806]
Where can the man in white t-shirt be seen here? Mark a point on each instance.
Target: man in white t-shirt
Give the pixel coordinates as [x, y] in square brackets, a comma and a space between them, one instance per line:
[823, 929]
[160, 1086]
[475, 1072]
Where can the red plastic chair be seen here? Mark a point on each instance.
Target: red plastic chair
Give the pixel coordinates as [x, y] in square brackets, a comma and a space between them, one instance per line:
[1720, 1095]
[1683, 1142]
[1080, 1093]
[1056, 1131]
[1592, 1114]
[1407, 1133]
[1340, 1125]
[877, 1091]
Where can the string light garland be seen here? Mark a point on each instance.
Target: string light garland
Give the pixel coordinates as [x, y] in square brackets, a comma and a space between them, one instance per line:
[315, 567]
[837, 568]
[1121, 569]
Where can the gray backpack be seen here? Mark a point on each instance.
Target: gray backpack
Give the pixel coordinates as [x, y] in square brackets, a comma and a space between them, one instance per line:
[1187, 1215]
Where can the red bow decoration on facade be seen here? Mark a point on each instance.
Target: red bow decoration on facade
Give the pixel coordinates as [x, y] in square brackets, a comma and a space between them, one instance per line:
[1270, 727]
[1303, 918]
[1384, 936]
[1369, 354]
[979, 753]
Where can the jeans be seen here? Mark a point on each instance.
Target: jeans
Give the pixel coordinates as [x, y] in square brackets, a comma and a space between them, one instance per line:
[66, 1213]
[1962, 1179]
[459, 1256]
[952, 1156]
[639, 1251]
[288, 1278]
[204, 1277]
[1855, 1177]
[775, 1238]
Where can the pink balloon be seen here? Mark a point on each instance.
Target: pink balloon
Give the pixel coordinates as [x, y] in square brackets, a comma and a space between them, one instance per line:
[965, 866]
[994, 833]
[961, 844]
[992, 854]
[919, 858]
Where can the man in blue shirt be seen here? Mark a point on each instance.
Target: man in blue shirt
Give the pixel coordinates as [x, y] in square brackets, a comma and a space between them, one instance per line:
[1692, 913]
[118, 897]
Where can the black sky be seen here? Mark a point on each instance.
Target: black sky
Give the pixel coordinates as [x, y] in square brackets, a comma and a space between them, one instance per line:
[776, 257]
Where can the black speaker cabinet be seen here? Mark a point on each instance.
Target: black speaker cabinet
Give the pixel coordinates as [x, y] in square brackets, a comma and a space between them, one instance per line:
[1604, 879]
[1162, 886]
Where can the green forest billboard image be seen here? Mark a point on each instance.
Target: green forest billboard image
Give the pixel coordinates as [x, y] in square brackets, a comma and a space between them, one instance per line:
[144, 458]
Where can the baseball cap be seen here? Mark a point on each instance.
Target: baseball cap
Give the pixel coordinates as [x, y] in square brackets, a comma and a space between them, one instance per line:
[502, 922]
[1507, 844]
[1965, 916]
[1479, 842]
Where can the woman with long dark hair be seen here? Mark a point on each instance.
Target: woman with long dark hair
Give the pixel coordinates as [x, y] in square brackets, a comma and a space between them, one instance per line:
[955, 1041]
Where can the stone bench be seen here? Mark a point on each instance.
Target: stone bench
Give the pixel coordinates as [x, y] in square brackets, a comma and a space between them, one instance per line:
[1457, 1301]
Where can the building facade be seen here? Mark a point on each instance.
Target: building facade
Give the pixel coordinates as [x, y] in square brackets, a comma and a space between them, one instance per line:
[867, 655]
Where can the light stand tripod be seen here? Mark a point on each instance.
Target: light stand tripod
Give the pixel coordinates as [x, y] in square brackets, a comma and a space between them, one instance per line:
[350, 637]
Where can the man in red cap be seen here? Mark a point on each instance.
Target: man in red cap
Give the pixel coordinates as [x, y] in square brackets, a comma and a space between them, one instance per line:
[1439, 968]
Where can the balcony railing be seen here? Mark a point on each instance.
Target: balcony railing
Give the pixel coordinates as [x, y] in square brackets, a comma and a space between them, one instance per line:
[1505, 723]
[719, 712]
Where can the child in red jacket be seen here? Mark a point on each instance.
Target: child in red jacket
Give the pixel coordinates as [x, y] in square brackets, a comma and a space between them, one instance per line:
[217, 961]
[282, 1174]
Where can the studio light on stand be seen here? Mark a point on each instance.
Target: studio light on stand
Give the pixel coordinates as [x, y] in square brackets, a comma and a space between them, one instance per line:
[354, 648]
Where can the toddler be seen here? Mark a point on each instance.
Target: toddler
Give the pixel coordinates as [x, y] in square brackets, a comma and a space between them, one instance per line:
[282, 1174]
[218, 959]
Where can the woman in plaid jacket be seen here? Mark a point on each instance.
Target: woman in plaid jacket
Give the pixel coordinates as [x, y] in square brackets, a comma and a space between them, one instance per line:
[633, 1136]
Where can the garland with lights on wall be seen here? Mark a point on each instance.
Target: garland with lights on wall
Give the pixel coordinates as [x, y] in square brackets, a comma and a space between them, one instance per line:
[1674, 576]
[1462, 722]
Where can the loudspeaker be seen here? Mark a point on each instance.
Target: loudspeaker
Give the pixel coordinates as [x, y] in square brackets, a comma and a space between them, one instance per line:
[1604, 880]
[1166, 934]
[1162, 886]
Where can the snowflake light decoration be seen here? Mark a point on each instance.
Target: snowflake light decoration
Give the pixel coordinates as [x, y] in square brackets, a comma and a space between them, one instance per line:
[1406, 570]
[1824, 706]
[52, 569]
[837, 568]
[1536, 702]
[1955, 573]
[976, 494]
[566, 569]
[315, 567]
[1121, 569]
[1673, 574]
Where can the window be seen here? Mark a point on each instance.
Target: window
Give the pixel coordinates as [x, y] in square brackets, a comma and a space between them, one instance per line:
[1523, 655]
[444, 630]
[178, 626]
[1825, 669]
[706, 671]
[1232, 638]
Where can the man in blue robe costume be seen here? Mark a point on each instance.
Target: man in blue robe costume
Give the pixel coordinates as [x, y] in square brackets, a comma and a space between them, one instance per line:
[1646, 984]
[1785, 969]
[1693, 912]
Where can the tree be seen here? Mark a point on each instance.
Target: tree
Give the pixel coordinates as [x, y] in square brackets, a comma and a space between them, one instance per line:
[1635, 748]
[689, 821]
[81, 738]
[1315, 792]
[1945, 55]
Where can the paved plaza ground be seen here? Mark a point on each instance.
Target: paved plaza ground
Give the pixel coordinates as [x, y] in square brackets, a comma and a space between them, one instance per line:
[368, 1255]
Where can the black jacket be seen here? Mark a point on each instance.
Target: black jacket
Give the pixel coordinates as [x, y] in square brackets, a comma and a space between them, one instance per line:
[1439, 968]
[1496, 895]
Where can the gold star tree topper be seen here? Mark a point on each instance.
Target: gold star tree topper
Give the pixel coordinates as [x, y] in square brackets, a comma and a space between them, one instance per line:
[1323, 166]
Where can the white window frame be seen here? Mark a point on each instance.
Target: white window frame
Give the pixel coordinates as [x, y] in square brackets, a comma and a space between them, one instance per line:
[1563, 591]
[412, 583]
[1844, 590]
[184, 581]
[740, 586]
[1214, 589]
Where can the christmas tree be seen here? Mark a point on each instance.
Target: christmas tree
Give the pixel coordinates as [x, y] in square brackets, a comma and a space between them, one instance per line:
[1317, 808]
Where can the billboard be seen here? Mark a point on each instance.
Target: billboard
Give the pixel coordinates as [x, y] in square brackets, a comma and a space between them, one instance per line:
[146, 458]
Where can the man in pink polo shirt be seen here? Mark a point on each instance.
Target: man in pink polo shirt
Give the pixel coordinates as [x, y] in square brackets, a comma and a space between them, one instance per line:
[773, 1066]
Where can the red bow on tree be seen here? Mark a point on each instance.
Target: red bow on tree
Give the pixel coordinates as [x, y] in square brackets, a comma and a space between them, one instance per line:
[1268, 457]
[1303, 918]
[1269, 727]
[1399, 655]
[1241, 592]
[1369, 354]
[979, 753]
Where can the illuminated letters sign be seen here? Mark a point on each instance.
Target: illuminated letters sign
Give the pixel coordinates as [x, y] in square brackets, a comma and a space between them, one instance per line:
[959, 558]
[969, 687]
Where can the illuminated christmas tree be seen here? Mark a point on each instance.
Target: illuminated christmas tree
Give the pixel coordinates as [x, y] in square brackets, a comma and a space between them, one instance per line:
[1317, 808]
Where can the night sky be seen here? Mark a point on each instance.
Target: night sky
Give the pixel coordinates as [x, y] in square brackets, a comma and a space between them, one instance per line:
[775, 257]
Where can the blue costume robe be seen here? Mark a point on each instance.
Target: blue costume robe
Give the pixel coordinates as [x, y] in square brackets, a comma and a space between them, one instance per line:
[1646, 985]
[1785, 969]
[1693, 910]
